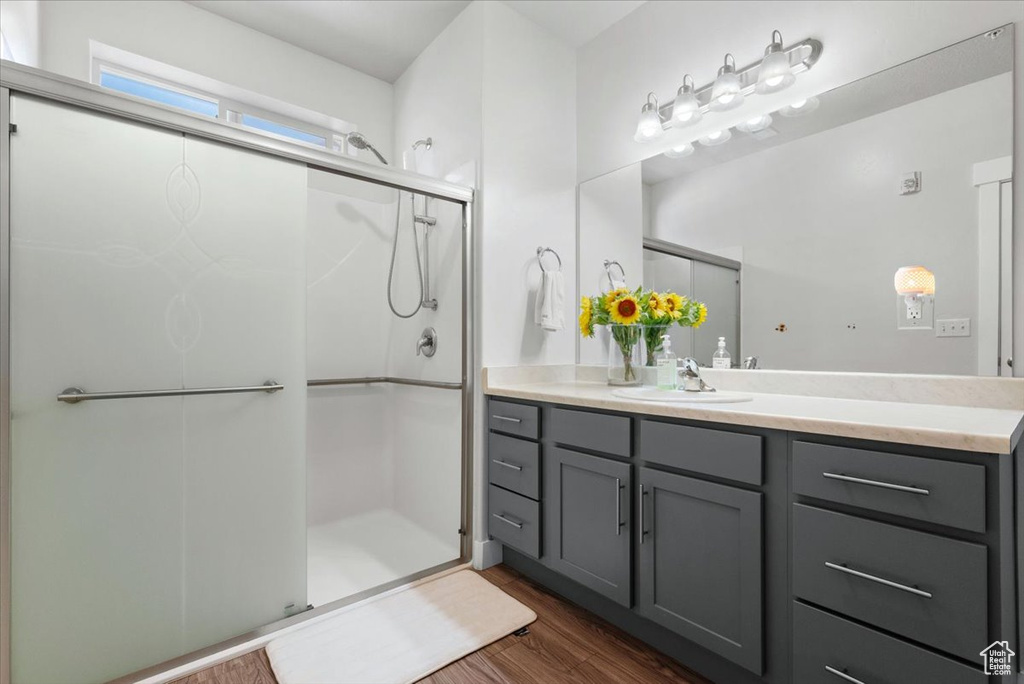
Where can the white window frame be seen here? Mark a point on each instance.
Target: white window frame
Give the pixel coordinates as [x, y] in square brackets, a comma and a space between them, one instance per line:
[231, 110]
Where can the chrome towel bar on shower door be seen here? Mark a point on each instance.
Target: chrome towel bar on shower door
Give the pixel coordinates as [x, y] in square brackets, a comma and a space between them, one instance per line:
[381, 378]
[73, 395]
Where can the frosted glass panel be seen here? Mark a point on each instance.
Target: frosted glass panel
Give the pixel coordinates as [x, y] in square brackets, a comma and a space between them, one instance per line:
[147, 528]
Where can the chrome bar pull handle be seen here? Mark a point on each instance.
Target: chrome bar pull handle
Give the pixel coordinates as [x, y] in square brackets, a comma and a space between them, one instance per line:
[880, 580]
[842, 675]
[74, 395]
[618, 507]
[507, 419]
[643, 527]
[876, 483]
[513, 523]
[511, 466]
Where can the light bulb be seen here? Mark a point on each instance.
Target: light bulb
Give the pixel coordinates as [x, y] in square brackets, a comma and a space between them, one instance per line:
[679, 151]
[800, 107]
[775, 73]
[755, 124]
[727, 92]
[686, 108]
[649, 126]
[716, 138]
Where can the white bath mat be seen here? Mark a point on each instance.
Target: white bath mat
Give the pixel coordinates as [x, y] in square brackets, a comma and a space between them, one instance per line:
[400, 638]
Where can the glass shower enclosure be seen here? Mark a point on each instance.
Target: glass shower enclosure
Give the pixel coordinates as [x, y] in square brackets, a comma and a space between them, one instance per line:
[212, 424]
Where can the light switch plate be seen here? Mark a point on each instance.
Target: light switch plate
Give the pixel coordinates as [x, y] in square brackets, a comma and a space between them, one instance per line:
[953, 327]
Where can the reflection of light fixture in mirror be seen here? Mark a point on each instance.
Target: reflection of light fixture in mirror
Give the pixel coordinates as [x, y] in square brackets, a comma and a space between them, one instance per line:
[686, 109]
[727, 92]
[916, 284]
[679, 151]
[775, 73]
[800, 107]
[715, 138]
[649, 126]
[756, 124]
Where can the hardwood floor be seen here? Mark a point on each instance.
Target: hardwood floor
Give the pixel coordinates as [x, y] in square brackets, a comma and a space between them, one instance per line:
[565, 645]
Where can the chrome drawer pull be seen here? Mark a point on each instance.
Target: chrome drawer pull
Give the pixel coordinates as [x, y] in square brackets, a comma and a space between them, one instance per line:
[842, 675]
[880, 580]
[513, 523]
[876, 483]
[506, 418]
[507, 465]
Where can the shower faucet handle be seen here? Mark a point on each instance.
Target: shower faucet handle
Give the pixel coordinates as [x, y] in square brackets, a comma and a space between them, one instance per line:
[427, 344]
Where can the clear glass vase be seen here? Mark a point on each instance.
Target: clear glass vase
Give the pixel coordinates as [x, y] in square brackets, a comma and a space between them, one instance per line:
[625, 355]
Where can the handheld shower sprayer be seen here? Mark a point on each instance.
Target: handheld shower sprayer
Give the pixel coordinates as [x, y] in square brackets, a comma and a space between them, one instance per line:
[359, 141]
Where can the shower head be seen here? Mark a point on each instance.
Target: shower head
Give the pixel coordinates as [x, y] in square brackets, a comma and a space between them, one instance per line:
[359, 141]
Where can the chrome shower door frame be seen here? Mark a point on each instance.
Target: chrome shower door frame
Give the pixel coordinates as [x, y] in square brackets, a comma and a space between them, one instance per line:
[19, 79]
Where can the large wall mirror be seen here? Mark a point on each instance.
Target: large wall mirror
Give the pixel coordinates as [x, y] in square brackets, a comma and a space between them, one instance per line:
[800, 230]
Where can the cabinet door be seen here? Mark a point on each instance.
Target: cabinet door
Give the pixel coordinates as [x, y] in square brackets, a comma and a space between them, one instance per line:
[587, 528]
[700, 563]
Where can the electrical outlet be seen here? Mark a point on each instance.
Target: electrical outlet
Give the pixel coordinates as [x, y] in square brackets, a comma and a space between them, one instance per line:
[953, 327]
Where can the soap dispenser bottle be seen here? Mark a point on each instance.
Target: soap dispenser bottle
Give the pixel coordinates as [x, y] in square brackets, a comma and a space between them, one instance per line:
[668, 365]
[721, 358]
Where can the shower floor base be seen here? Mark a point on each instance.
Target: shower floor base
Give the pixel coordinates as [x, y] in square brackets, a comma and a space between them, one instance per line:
[363, 551]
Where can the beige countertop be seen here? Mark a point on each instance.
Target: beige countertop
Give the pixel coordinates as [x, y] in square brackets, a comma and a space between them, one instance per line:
[988, 430]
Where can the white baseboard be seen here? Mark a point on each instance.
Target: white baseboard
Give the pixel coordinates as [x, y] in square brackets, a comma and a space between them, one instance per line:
[486, 554]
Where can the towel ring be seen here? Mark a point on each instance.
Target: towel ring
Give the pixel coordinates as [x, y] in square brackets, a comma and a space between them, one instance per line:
[608, 269]
[540, 254]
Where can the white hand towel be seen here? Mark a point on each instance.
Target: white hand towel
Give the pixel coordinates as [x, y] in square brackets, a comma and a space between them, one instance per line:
[618, 284]
[550, 310]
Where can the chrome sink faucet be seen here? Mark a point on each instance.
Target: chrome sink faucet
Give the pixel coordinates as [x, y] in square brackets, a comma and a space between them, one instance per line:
[692, 382]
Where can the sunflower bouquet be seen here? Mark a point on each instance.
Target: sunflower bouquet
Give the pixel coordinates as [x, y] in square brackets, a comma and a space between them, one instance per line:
[638, 314]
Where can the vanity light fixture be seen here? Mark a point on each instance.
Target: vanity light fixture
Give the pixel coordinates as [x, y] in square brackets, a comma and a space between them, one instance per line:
[649, 126]
[715, 138]
[800, 107]
[775, 73]
[755, 124]
[679, 151]
[686, 109]
[916, 284]
[727, 93]
[779, 67]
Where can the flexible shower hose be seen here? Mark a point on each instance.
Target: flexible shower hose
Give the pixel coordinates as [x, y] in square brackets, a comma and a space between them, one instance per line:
[394, 253]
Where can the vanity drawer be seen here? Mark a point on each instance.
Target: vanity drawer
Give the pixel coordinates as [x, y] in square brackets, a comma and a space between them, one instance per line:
[922, 586]
[595, 431]
[824, 644]
[927, 489]
[717, 453]
[514, 519]
[514, 464]
[515, 419]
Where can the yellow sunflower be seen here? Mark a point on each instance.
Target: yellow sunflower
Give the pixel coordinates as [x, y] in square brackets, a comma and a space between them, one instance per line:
[702, 315]
[586, 317]
[673, 305]
[656, 304]
[612, 295]
[625, 310]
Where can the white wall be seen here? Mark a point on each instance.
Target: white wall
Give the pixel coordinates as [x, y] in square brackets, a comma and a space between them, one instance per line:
[184, 36]
[19, 20]
[653, 46]
[822, 234]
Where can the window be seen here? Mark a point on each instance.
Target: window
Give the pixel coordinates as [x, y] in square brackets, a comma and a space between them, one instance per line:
[196, 94]
[150, 91]
[282, 130]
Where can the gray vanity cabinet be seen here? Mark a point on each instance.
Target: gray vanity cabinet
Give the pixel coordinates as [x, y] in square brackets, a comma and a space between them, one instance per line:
[587, 527]
[700, 563]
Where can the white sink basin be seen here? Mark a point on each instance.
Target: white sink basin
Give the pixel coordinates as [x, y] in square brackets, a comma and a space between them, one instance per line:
[679, 396]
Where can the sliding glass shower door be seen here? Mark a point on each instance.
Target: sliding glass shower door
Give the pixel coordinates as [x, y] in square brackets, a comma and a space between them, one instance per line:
[147, 524]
